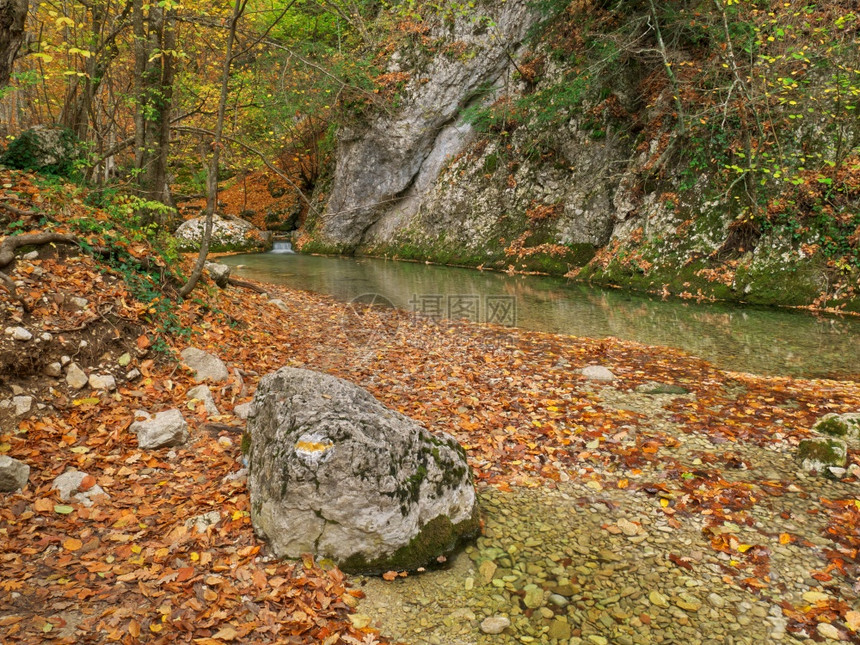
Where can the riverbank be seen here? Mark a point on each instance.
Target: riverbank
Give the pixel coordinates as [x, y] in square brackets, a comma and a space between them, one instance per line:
[760, 340]
[705, 476]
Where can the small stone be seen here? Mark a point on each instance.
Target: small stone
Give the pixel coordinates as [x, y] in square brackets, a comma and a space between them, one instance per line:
[657, 599]
[19, 333]
[69, 483]
[32, 255]
[166, 428]
[629, 528]
[220, 273]
[124, 360]
[75, 377]
[243, 410]
[487, 570]
[13, 474]
[688, 606]
[597, 639]
[205, 366]
[654, 388]
[102, 382]
[559, 629]
[22, 404]
[558, 600]
[813, 597]
[203, 394]
[225, 442]
[132, 374]
[45, 336]
[534, 596]
[597, 373]
[53, 369]
[495, 624]
[828, 631]
[65, 360]
[280, 304]
[78, 303]
[201, 522]
[716, 600]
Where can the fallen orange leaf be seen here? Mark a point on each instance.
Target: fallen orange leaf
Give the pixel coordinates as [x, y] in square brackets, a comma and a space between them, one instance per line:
[72, 544]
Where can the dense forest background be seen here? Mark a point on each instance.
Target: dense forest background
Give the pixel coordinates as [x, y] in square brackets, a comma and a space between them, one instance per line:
[750, 106]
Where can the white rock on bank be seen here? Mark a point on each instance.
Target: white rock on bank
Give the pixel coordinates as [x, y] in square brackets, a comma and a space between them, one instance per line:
[76, 378]
[13, 474]
[19, 333]
[102, 382]
[69, 483]
[206, 366]
[166, 428]
[597, 373]
[203, 394]
[22, 404]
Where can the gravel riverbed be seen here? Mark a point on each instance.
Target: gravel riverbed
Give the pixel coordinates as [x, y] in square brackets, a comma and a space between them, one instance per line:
[578, 561]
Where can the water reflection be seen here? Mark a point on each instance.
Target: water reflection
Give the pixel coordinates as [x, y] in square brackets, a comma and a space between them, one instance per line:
[751, 339]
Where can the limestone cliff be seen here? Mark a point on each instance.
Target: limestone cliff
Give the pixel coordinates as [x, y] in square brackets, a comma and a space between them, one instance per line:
[560, 143]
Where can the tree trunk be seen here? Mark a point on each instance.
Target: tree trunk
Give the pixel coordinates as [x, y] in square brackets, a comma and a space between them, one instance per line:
[212, 171]
[13, 14]
[155, 42]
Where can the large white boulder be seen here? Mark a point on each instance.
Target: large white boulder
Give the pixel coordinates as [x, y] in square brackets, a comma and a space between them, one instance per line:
[334, 473]
[228, 234]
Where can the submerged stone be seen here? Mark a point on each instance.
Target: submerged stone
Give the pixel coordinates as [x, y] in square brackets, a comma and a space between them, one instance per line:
[334, 473]
[818, 453]
[844, 426]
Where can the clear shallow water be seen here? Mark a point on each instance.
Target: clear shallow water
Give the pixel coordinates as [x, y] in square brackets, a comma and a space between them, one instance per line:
[747, 339]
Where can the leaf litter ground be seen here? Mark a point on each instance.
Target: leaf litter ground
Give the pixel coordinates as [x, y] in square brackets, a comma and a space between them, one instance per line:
[132, 568]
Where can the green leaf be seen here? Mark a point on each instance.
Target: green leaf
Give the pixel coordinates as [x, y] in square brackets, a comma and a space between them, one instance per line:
[62, 509]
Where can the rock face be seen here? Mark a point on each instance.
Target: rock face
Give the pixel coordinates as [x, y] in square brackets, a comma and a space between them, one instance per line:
[231, 234]
[166, 428]
[395, 156]
[13, 474]
[535, 166]
[334, 473]
[206, 366]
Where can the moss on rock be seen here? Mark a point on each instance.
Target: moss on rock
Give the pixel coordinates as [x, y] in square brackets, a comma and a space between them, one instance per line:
[438, 537]
[820, 452]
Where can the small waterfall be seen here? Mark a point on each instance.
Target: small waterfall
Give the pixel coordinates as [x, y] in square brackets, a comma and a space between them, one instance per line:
[282, 247]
